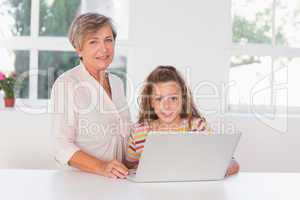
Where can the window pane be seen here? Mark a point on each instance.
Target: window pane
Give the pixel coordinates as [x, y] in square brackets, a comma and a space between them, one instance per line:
[250, 80]
[287, 72]
[288, 23]
[252, 21]
[56, 16]
[17, 61]
[51, 65]
[15, 17]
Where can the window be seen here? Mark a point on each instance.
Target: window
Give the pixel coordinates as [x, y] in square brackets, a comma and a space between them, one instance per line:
[33, 40]
[265, 54]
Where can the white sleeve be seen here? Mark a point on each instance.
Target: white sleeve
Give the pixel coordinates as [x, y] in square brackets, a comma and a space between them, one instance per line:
[64, 122]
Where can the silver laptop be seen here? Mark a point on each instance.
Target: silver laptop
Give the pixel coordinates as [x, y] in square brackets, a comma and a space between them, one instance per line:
[190, 156]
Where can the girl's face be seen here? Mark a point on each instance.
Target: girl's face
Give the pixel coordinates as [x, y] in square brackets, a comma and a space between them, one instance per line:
[167, 101]
[98, 49]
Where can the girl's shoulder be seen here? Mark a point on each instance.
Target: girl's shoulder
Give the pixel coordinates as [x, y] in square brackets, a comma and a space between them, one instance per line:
[199, 124]
[139, 128]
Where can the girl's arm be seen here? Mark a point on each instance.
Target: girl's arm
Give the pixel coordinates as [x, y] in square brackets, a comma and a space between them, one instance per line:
[131, 165]
[132, 156]
[233, 168]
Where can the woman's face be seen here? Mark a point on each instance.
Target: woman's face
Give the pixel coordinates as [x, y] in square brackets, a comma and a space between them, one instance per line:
[98, 49]
[167, 101]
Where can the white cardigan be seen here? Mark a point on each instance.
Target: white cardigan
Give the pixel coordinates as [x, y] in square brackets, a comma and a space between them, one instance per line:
[85, 118]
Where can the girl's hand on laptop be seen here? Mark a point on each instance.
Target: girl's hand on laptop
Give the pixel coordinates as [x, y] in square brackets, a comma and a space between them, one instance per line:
[114, 169]
[233, 168]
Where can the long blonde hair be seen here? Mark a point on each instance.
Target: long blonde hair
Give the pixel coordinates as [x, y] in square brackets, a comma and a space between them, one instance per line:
[163, 74]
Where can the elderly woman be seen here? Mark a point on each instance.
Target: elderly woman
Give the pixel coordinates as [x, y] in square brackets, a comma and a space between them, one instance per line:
[91, 117]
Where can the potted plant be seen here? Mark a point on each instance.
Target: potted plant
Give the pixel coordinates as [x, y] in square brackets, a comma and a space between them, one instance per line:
[7, 84]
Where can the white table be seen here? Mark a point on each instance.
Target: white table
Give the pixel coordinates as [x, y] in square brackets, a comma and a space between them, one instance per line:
[73, 185]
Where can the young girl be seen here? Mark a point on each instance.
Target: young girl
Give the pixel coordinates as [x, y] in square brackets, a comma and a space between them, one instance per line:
[166, 104]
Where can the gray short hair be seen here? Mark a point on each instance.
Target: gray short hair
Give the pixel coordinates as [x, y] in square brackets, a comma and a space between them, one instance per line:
[85, 24]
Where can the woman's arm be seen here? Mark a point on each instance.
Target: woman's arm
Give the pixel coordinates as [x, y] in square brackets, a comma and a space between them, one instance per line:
[233, 168]
[88, 163]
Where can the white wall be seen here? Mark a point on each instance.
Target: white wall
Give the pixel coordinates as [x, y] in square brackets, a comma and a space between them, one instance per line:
[187, 34]
[263, 148]
[191, 35]
[25, 140]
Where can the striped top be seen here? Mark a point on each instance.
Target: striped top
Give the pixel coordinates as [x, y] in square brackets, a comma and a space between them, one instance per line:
[139, 133]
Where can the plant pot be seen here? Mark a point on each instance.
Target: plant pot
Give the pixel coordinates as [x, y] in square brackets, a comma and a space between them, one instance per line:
[9, 102]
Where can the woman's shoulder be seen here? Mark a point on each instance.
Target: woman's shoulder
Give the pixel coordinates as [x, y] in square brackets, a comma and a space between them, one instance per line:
[69, 75]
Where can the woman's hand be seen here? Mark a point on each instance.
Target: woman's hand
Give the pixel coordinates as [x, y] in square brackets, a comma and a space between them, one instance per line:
[114, 169]
[233, 168]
